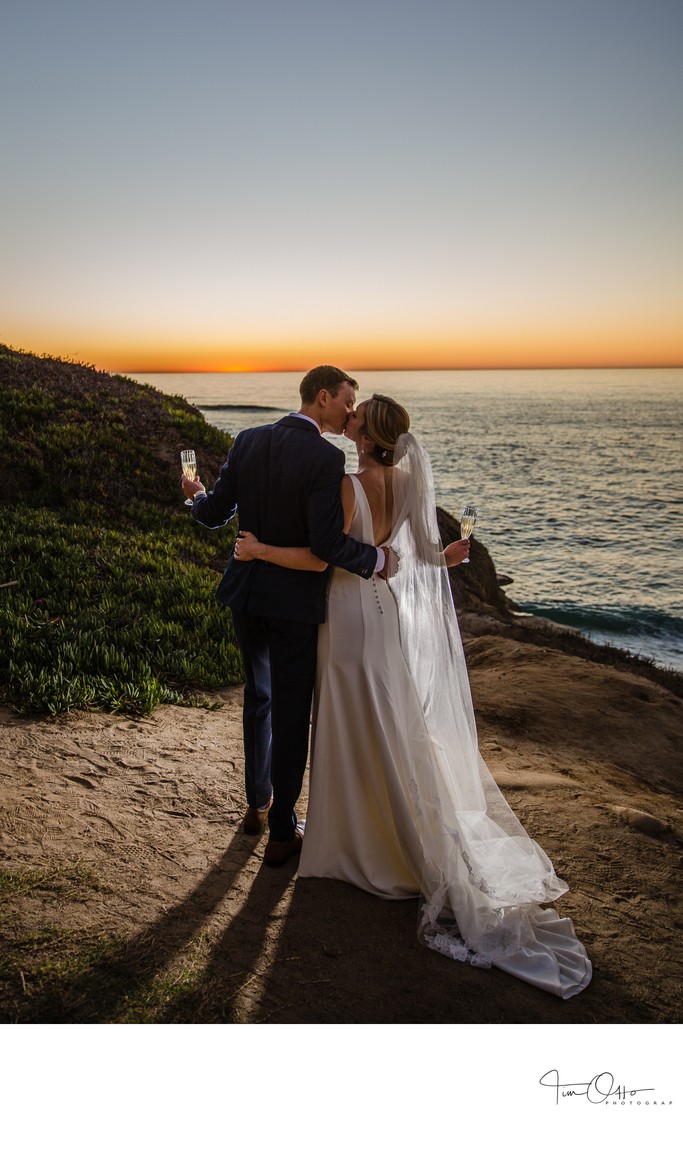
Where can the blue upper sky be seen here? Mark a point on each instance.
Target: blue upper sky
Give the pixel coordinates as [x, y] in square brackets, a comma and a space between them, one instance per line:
[378, 182]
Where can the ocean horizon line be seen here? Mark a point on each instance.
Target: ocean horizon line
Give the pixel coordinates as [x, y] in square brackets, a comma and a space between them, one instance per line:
[382, 370]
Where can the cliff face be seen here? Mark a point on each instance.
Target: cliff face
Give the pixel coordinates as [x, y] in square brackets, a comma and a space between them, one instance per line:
[475, 584]
[483, 608]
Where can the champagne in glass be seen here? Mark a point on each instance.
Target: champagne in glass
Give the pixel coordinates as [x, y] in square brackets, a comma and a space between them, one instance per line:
[467, 522]
[188, 460]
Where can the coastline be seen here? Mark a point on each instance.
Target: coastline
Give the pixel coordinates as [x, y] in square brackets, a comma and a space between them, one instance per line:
[130, 893]
[606, 575]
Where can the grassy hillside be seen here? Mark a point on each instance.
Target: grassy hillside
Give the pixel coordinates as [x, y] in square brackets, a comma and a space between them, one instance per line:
[114, 605]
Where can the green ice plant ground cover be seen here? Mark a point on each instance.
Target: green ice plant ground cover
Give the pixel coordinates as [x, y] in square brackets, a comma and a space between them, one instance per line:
[114, 602]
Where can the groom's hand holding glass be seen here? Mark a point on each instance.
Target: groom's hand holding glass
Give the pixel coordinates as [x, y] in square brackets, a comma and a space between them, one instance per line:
[192, 487]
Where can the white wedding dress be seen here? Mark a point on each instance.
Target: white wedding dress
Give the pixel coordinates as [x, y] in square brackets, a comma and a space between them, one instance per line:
[401, 803]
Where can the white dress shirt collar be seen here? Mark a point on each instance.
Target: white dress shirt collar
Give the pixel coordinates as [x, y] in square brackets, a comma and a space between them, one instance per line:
[299, 415]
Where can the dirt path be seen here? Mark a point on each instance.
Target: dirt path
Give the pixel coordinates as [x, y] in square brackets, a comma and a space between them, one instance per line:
[130, 893]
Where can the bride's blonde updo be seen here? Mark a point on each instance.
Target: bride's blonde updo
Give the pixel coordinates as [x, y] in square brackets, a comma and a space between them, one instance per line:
[384, 421]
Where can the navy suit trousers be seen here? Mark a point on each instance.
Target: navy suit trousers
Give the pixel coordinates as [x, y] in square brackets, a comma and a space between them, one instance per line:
[279, 657]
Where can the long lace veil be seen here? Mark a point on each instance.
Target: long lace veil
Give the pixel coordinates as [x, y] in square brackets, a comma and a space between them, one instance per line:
[480, 867]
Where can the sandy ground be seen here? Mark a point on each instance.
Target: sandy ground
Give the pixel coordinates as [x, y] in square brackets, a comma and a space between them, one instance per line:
[589, 758]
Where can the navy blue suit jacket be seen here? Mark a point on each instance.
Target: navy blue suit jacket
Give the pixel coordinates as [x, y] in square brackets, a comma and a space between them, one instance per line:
[285, 480]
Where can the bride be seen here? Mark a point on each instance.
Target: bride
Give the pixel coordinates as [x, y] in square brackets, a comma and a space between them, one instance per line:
[401, 802]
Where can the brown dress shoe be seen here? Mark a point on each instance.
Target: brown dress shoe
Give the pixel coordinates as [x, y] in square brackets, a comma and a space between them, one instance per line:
[255, 820]
[276, 854]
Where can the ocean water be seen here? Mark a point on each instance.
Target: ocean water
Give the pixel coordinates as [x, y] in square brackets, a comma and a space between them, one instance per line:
[577, 477]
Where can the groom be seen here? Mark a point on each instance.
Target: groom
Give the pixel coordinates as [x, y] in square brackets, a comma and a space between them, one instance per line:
[285, 481]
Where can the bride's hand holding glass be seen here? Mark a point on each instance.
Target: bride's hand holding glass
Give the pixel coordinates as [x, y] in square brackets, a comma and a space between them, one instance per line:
[457, 552]
[467, 522]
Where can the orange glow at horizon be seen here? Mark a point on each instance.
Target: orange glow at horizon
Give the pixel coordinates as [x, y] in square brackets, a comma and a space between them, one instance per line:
[406, 355]
[482, 346]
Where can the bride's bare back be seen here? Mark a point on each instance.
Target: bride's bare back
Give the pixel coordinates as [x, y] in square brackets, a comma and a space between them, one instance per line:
[376, 482]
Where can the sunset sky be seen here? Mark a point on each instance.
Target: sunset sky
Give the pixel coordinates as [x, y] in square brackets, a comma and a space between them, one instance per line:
[267, 184]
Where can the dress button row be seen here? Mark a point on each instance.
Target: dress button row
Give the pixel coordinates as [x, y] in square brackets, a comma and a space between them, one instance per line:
[379, 605]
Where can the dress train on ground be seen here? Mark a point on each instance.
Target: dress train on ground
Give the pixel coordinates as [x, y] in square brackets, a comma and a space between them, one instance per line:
[401, 803]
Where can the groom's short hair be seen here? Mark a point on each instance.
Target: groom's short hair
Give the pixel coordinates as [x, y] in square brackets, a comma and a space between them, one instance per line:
[329, 378]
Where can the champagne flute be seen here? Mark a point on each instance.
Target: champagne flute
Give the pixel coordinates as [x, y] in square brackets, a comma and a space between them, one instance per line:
[467, 522]
[188, 460]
